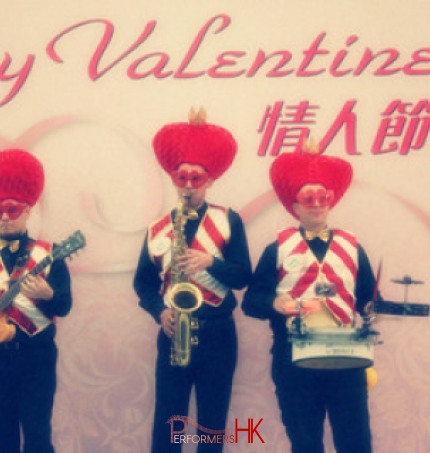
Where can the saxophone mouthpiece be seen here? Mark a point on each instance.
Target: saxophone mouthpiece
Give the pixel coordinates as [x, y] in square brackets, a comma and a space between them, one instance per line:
[189, 211]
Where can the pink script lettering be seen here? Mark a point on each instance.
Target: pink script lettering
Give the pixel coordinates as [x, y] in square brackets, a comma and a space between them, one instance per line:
[15, 79]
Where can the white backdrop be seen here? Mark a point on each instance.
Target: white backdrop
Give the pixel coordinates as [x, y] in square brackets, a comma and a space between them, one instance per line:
[85, 85]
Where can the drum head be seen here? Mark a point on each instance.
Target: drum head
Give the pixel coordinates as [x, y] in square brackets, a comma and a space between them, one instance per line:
[333, 363]
[332, 349]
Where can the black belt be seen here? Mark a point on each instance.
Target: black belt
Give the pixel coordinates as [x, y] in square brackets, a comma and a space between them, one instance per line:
[217, 320]
[10, 346]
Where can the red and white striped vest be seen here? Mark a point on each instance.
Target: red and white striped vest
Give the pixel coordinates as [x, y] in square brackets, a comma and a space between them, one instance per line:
[24, 311]
[212, 236]
[299, 271]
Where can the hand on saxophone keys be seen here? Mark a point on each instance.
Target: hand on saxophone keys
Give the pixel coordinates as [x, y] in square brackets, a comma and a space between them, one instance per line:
[168, 322]
[288, 306]
[193, 261]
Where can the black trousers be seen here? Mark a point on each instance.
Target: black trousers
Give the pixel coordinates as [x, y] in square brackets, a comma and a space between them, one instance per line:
[210, 371]
[307, 396]
[27, 388]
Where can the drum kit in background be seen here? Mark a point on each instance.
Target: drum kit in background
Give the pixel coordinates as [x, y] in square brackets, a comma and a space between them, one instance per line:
[318, 342]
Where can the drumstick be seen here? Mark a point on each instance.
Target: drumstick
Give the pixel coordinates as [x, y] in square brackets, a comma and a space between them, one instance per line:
[370, 306]
[378, 277]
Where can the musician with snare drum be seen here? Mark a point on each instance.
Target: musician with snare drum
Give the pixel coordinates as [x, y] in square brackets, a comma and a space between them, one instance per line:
[311, 283]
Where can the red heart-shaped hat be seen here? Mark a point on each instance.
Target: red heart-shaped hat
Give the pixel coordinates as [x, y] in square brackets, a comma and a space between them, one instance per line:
[21, 176]
[195, 143]
[291, 171]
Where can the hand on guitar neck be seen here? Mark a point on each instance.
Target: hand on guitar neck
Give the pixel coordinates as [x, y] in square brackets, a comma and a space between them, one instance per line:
[7, 330]
[36, 287]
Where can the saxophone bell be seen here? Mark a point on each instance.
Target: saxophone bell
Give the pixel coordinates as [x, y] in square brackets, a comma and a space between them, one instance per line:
[185, 297]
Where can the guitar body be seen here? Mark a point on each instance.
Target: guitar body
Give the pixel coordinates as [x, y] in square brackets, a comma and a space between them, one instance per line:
[7, 330]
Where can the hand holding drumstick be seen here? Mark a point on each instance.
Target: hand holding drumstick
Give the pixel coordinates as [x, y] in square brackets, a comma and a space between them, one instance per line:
[288, 306]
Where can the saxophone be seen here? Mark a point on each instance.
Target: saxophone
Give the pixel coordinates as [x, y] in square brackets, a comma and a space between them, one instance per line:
[184, 297]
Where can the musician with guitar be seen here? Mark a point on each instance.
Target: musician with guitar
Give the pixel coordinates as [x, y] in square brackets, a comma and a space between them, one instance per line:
[32, 296]
[317, 279]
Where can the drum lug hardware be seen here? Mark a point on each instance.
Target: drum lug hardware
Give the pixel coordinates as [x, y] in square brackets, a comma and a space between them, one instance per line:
[365, 332]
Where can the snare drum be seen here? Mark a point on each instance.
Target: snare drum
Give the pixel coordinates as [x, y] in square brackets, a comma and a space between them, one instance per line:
[332, 348]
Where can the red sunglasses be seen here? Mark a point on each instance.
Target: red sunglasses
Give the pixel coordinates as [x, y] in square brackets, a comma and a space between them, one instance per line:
[311, 198]
[195, 178]
[12, 210]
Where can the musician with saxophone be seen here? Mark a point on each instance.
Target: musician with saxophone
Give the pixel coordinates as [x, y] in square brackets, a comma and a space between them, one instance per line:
[192, 259]
[320, 278]
[28, 354]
